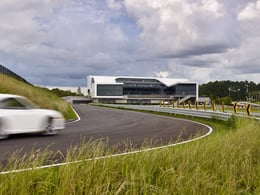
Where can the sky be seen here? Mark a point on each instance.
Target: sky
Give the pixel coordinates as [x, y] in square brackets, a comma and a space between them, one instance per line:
[60, 42]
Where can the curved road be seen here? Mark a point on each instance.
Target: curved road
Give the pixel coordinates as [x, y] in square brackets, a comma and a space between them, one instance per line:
[119, 126]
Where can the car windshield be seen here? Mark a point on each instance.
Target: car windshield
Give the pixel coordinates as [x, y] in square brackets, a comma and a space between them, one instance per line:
[17, 103]
[27, 103]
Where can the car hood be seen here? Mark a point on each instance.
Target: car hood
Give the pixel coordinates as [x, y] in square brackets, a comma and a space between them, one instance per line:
[53, 113]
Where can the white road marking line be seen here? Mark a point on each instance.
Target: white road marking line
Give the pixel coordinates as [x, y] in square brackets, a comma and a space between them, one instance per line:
[113, 155]
[78, 117]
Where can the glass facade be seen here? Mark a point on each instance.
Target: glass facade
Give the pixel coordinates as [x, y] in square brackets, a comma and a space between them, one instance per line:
[185, 89]
[135, 86]
[109, 90]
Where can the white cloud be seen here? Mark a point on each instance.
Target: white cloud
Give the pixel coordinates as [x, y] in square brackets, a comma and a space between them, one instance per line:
[114, 4]
[251, 11]
[178, 28]
[200, 37]
[214, 7]
[54, 36]
[57, 40]
[162, 74]
[22, 22]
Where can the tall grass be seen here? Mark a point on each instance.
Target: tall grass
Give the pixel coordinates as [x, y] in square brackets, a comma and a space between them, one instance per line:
[227, 162]
[39, 96]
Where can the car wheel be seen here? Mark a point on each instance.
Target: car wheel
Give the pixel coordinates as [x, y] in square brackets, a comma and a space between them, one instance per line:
[49, 129]
[3, 134]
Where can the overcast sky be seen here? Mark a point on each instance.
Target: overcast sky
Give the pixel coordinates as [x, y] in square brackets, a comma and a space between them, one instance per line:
[60, 42]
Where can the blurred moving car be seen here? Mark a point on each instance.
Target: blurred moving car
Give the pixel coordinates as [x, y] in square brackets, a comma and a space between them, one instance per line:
[19, 115]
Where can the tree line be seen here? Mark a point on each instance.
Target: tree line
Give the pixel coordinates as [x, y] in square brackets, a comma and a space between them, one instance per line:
[231, 91]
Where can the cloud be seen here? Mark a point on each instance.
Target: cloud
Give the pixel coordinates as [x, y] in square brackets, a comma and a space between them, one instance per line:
[162, 74]
[207, 37]
[179, 28]
[64, 37]
[113, 4]
[57, 41]
[251, 11]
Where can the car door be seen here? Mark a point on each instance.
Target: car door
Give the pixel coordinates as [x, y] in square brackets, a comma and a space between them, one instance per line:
[20, 118]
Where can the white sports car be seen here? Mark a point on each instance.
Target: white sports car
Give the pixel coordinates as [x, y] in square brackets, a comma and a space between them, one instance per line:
[20, 115]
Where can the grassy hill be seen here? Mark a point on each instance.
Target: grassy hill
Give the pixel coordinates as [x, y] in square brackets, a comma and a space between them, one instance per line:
[226, 162]
[41, 97]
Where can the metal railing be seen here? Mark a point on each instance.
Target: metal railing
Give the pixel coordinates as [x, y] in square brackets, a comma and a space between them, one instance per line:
[224, 116]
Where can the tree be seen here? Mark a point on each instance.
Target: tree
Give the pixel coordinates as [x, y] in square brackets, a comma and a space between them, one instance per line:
[239, 90]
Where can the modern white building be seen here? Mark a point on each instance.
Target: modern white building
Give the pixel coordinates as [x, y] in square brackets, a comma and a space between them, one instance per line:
[140, 90]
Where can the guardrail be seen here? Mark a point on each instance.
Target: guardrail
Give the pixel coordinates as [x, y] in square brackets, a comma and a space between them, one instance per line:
[182, 111]
[210, 114]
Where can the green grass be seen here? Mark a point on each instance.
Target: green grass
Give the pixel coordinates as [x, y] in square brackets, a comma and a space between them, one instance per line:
[39, 96]
[226, 162]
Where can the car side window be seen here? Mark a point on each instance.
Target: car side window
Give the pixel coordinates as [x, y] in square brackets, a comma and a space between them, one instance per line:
[12, 103]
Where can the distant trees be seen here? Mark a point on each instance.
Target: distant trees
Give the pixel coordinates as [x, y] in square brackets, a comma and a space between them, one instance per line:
[62, 93]
[230, 90]
[226, 100]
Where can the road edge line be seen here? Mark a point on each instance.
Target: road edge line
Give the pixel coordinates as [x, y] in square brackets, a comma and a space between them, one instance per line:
[114, 155]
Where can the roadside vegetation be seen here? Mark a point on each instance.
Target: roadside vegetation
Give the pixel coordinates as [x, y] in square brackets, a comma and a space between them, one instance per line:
[226, 162]
[228, 91]
[62, 93]
[40, 96]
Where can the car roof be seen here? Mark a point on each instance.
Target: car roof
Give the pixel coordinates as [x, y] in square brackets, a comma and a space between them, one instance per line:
[4, 96]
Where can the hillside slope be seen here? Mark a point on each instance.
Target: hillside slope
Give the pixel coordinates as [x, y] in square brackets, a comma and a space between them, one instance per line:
[42, 97]
[6, 71]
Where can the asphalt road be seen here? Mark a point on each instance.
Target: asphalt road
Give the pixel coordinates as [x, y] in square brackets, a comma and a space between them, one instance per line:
[118, 126]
